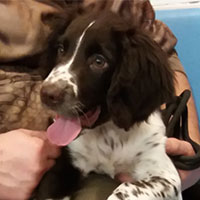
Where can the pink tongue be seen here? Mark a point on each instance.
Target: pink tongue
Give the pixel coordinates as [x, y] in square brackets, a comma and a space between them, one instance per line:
[63, 131]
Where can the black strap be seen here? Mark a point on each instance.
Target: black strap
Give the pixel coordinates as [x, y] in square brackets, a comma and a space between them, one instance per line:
[176, 120]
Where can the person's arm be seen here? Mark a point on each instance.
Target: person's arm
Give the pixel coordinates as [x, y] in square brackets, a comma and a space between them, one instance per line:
[178, 147]
[193, 126]
[24, 158]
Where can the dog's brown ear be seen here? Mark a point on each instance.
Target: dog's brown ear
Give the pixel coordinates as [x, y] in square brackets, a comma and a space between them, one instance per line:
[142, 82]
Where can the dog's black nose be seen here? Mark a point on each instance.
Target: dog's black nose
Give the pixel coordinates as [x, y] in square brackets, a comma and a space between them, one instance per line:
[51, 95]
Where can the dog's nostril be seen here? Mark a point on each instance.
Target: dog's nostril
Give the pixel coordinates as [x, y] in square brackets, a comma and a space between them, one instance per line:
[51, 95]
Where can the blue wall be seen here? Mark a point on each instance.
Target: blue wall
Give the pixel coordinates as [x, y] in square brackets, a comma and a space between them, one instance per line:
[185, 24]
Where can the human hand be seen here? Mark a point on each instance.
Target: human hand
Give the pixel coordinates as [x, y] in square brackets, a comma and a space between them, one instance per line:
[176, 147]
[24, 158]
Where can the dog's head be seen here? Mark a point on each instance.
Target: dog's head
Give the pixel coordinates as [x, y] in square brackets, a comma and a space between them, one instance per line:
[107, 69]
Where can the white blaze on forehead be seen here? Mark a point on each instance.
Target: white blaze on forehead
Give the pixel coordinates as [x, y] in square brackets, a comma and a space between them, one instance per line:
[62, 71]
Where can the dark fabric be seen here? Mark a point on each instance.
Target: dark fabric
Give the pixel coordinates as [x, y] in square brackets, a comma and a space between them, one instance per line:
[96, 187]
[193, 193]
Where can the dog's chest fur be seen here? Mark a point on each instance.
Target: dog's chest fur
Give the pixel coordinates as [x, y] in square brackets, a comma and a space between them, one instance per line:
[110, 150]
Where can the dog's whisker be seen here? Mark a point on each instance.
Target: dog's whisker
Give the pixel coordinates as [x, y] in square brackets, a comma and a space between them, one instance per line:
[75, 110]
[78, 108]
[80, 105]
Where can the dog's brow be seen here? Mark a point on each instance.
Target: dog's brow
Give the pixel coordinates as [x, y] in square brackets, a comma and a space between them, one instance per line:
[61, 72]
[79, 42]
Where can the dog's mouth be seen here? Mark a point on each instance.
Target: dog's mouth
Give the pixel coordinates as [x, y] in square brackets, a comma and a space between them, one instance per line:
[64, 130]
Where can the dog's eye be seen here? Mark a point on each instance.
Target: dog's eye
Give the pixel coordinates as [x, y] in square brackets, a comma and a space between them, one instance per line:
[98, 61]
[60, 49]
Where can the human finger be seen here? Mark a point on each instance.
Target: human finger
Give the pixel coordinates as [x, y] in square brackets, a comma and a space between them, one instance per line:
[176, 147]
[39, 134]
[49, 164]
[52, 151]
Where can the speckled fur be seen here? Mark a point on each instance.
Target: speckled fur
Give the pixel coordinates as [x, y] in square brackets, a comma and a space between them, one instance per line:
[139, 152]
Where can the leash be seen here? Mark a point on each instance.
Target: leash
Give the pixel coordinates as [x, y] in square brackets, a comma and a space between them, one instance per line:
[176, 120]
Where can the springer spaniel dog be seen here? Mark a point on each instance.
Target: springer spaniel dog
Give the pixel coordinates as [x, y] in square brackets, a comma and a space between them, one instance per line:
[107, 86]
